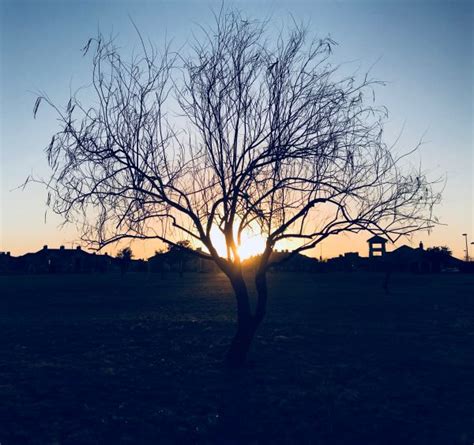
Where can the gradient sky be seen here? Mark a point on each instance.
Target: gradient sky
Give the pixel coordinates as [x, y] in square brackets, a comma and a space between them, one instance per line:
[423, 49]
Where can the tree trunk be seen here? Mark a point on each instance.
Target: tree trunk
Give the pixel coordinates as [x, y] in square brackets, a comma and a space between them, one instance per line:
[240, 345]
[247, 323]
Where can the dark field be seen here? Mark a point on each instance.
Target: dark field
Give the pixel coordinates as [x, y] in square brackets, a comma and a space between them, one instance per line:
[137, 360]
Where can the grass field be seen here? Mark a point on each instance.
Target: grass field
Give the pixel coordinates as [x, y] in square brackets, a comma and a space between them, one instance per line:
[137, 360]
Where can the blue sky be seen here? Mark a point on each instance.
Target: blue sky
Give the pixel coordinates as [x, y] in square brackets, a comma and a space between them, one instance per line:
[423, 49]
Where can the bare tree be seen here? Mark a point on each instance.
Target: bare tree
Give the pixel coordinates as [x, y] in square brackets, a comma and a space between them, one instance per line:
[242, 132]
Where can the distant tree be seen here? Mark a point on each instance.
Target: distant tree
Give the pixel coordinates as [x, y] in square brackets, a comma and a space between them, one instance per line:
[439, 256]
[441, 251]
[158, 263]
[125, 255]
[179, 254]
[268, 136]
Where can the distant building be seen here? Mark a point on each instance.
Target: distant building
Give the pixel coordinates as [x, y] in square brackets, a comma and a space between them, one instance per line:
[419, 260]
[7, 262]
[284, 260]
[403, 259]
[60, 260]
[376, 246]
[180, 261]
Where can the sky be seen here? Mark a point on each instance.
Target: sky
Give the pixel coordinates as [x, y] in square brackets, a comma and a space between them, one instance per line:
[422, 49]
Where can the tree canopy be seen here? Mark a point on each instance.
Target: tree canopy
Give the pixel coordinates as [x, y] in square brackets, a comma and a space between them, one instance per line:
[270, 138]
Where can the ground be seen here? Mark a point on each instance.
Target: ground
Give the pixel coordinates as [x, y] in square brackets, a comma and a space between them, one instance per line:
[102, 359]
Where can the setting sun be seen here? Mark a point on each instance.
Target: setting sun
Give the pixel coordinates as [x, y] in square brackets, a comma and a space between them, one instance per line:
[252, 243]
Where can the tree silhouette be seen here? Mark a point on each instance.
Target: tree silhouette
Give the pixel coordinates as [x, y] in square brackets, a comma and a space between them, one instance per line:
[241, 131]
[439, 256]
[125, 255]
[441, 251]
[179, 253]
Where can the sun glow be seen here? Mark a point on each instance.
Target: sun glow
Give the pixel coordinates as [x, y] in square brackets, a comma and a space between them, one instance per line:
[252, 243]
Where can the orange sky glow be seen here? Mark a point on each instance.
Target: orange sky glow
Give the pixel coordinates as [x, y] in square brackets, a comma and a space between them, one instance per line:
[423, 50]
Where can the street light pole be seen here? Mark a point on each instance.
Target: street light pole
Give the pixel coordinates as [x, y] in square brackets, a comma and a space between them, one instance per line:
[467, 247]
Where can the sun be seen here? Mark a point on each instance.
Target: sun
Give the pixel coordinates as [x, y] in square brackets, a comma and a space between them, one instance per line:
[252, 243]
